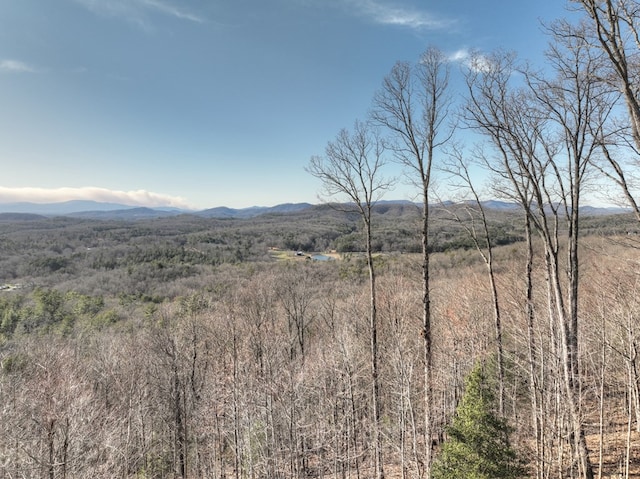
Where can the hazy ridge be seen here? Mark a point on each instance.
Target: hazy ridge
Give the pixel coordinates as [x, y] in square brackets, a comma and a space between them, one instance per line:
[100, 210]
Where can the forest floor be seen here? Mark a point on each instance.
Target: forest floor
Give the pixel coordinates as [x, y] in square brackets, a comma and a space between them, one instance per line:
[615, 451]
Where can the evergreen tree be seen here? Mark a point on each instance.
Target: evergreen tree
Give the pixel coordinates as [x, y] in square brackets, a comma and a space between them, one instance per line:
[478, 444]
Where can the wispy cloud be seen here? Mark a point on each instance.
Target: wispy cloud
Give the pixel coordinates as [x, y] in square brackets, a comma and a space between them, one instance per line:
[473, 60]
[387, 14]
[15, 66]
[172, 10]
[137, 11]
[118, 8]
[104, 195]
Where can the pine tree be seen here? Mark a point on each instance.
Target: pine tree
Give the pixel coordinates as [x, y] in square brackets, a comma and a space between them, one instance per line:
[478, 444]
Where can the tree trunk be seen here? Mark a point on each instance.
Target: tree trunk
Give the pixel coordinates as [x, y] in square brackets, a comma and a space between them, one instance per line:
[373, 325]
[533, 381]
[426, 337]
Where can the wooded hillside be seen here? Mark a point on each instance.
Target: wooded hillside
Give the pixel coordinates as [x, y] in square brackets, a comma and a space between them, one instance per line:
[128, 352]
[445, 339]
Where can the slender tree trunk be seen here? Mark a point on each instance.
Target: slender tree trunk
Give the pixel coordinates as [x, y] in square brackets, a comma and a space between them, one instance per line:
[603, 358]
[353, 439]
[569, 363]
[51, 447]
[180, 440]
[633, 374]
[627, 452]
[236, 411]
[403, 431]
[373, 325]
[498, 327]
[427, 345]
[533, 381]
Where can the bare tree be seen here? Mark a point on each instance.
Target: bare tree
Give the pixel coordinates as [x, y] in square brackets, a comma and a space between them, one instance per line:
[413, 105]
[547, 134]
[180, 355]
[296, 295]
[399, 311]
[501, 113]
[352, 170]
[473, 219]
[579, 107]
[613, 26]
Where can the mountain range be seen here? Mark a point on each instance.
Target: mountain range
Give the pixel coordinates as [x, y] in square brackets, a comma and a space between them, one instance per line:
[98, 210]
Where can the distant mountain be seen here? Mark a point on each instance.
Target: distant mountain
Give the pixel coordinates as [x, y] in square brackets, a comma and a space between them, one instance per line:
[611, 210]
[88, 209]
[397, 208]
[98, 210]
[251, 212]
[64, 208]
[127, 214]
[95, 209]
[289, 207]
[225, 212]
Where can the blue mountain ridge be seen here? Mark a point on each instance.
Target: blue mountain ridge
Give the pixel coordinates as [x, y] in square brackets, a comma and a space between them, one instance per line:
[98, 210]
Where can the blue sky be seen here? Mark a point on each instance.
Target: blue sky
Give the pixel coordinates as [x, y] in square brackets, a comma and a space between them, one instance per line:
[203, 103]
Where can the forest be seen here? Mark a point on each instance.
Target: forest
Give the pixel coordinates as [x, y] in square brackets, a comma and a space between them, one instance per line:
[442, 339]
[201, 348]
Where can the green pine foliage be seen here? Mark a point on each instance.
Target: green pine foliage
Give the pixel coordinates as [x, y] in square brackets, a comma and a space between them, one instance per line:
[478, 444]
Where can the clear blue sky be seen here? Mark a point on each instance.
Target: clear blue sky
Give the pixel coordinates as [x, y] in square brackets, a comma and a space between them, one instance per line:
[206, 103]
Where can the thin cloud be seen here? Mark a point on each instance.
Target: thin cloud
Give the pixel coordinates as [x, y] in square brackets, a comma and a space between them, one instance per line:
[91, 193]
[398, 16]
[171, 10]
[109, 7]
[473, 60]
[15, 66]
[136, 11]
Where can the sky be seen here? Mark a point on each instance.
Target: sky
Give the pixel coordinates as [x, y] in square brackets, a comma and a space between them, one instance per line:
[204, 103]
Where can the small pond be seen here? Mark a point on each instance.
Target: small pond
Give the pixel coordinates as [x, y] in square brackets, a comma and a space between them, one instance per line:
[321, 257]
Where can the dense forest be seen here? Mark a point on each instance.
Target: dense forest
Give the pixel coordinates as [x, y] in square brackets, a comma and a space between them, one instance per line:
[437, 339]
[209, 348]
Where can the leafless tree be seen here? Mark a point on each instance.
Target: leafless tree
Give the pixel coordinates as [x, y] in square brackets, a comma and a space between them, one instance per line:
[413, 105]
[613, 26]
[352, 170]
[579, 107]
[501, 113]
[399, 311]
[547, 134]
[473, 218]
[296, 295]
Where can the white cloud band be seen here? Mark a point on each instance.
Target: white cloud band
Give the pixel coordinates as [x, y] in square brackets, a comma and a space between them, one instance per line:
[90, 193]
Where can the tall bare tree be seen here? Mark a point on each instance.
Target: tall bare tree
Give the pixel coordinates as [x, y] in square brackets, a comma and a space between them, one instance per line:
[351, 169]
[413, 105]
[503, 114]
[578, 107]
[613, 26]
[546, 133]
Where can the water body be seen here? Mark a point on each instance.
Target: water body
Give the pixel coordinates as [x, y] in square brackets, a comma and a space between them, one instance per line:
[321, 257]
